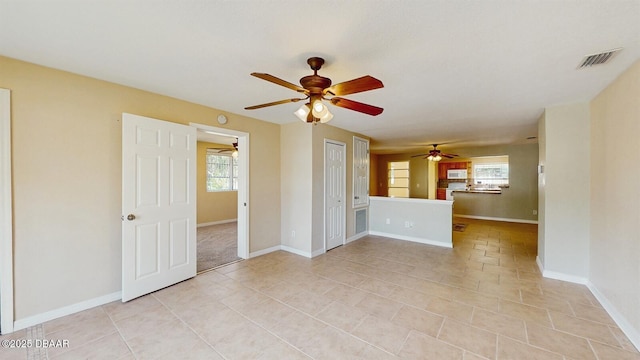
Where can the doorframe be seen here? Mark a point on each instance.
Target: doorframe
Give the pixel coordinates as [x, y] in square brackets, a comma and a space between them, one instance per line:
[344, 191]
[243, 182]
[6, 219]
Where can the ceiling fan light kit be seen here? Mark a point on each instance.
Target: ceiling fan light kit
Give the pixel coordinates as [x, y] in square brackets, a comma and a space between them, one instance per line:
[303, 112]
[317, 88]
[435, 154]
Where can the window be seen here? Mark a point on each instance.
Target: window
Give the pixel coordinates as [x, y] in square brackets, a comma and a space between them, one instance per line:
[491, 170]
[222, 172]
[398, 182]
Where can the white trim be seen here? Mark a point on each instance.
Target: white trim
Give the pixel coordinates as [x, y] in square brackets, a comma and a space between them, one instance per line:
[412, 238]
[357, 237]
[217, 222]
[324, 190]
[66, 310]
[353, 176]
[560, 276]
[296, 251]
[6, 220]
[244, 243]
[265, 251]
[619, 319]
[540, 267]
[496, 219]
[565, 277]
[318, 252]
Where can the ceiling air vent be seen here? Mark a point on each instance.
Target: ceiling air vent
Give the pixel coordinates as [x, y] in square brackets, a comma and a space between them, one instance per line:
[597, 59]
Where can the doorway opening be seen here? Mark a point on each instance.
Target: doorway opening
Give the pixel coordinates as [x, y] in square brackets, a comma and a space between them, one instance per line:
[222, 211]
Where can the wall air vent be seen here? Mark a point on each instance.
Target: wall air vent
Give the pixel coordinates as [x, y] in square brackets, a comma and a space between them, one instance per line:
[597, 59]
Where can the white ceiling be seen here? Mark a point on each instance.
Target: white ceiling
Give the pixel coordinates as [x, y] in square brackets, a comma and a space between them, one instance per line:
[469, 72]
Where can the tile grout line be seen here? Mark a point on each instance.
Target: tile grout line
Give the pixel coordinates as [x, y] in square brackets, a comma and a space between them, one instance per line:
[188, 326]
[120, 332]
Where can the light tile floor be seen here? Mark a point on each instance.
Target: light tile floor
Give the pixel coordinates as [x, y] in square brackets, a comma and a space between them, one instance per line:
[375, 298]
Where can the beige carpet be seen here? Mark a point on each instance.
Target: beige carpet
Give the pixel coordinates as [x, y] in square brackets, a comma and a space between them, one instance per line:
[217, 245]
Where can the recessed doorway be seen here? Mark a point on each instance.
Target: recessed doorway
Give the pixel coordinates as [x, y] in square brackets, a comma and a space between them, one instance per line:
[222, 210]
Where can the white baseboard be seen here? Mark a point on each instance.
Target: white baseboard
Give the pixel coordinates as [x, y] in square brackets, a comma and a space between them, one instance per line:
[64, 311]
[496, 219]
[560, 276]
[356, 237]
[624, 325]
[265, 251]
[296, 251]
[317, 253]
[217, 222]
[287, 249]
[540, 267]
[411, 238]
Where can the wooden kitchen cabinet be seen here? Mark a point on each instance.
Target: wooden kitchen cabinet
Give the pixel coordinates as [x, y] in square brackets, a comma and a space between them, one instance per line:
[442, 170]
[441, 194]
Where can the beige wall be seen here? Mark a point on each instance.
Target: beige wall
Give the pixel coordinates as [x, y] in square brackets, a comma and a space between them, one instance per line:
[66, 145]
[615, 197]
[296, 187]
[565, 187]
[542, 159]
[213, 206]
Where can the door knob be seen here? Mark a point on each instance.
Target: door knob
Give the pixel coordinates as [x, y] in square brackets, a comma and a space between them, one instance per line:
[131, 217]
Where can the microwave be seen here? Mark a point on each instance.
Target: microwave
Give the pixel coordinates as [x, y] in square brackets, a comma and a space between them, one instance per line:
[457, 174]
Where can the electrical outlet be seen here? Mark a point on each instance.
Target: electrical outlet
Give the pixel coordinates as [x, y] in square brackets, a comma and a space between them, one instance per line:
[388, 221]
[293, 234]
[535, 212]
[407, 224]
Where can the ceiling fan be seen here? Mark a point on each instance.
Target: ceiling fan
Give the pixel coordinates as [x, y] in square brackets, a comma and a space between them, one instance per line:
[318, 88]
[233, 151]
[435, 154]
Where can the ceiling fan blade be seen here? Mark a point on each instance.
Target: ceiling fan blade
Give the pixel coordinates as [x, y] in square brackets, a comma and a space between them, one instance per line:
[361, 84]
[280, 82]
[420, 155]
[356, 106]
[448, 156]
[272, 103]
[220, 150]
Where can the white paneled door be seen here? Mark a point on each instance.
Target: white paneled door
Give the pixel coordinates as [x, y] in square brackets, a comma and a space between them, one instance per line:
[158, 204]
[335, 179]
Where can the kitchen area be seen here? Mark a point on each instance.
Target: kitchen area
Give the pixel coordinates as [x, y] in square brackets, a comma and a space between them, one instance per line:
[493, 182]
[458, 177]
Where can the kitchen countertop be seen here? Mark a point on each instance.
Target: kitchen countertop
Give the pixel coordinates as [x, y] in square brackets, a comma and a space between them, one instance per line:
[496, 191]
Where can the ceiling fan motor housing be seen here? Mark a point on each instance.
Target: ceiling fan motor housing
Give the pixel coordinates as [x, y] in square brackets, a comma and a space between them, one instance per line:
[315, 83]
